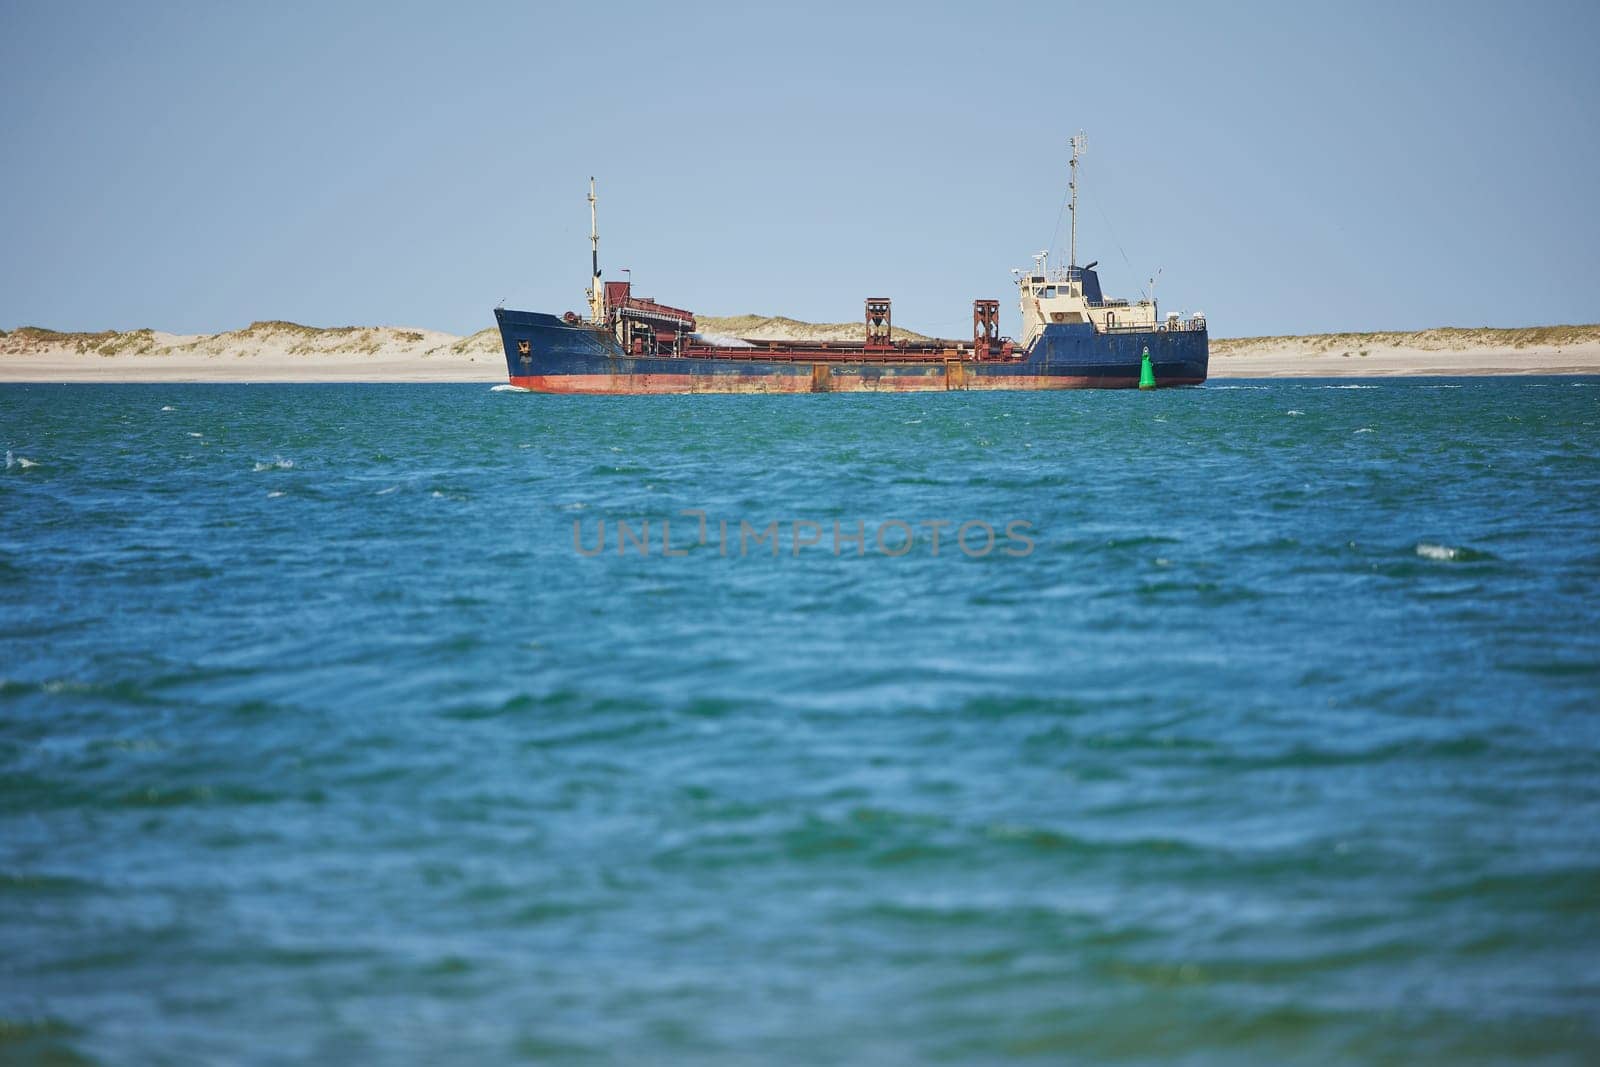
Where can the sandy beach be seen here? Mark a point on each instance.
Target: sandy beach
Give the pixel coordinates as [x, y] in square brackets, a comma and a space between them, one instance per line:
[1444, 352]
[262, 352]
[288, 352]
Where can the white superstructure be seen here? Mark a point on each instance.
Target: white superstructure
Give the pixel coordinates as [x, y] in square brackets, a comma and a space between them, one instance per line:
[1071, 295]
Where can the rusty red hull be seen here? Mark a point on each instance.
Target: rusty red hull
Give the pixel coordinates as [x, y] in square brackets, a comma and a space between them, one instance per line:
[839, 383]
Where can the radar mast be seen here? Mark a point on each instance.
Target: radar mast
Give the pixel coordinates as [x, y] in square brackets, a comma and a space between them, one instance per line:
[1079, 145]
[597, 298]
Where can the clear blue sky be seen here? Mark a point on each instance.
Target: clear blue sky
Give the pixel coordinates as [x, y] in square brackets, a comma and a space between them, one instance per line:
[1292, 167]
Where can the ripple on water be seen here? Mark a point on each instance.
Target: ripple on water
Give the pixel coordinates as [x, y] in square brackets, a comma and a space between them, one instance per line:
[1277, 727]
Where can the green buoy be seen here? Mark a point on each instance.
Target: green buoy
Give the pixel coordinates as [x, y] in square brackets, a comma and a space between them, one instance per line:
[1147, 372]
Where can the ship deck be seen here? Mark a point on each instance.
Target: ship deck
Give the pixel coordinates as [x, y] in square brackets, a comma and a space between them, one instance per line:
[845, 351]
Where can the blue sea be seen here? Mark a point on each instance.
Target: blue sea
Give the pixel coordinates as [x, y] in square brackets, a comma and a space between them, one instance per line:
[1262, 725]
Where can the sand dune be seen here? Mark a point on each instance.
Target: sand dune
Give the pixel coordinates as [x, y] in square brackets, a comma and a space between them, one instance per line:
[286, 351]
[1443, 351]
[780, 328]
[263, 351]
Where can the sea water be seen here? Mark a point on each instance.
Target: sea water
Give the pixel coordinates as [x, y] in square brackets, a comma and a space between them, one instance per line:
[1263, 724]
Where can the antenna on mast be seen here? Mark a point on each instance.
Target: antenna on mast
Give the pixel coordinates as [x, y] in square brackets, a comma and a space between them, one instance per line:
[597, 300]
[1079, 145]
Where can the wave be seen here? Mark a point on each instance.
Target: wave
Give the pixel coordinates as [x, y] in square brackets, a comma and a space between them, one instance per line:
[20, 462]
[1450, 553]
[278, 463]
[119, 691]
[506, 387]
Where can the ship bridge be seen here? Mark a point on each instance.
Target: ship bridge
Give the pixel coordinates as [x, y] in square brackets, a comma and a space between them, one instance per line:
[1072, 296]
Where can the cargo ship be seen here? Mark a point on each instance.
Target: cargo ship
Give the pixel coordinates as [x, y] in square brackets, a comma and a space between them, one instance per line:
[1073, 337]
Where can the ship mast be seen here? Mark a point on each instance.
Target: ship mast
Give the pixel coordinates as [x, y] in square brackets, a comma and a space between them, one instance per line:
[1079, 144]
[597, 310]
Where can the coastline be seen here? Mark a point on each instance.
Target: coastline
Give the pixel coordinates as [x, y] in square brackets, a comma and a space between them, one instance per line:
[243, 370]
[287, 352]
[1397, 362]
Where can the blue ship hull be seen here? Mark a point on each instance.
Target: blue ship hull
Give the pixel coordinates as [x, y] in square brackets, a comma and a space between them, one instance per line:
[547, 354]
